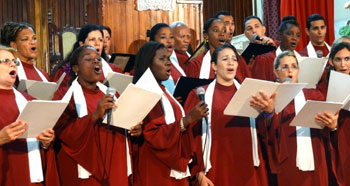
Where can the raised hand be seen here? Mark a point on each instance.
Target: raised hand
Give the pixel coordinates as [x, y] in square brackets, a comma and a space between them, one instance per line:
[46, 137]
[197, 112]
[105, 103]
[263, 102]
[328, 119]
[12, 131]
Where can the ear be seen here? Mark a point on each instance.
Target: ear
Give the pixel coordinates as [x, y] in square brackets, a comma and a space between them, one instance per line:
[330, 61]
[13, 45]
[213, 66]
[206, 36]
[75, 68]
[307, 32]
[81, 43]
[264, 29]
[276, 74]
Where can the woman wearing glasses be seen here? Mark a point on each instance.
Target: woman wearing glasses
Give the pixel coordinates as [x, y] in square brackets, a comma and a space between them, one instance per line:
[15, 162]
[296, 154]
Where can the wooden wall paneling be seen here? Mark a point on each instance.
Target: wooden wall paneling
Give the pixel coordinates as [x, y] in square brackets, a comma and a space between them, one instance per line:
[137, 37]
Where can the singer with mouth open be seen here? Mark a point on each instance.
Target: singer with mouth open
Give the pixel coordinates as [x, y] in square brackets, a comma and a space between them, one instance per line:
[223, 148]
[296, 154]
[82, 154]
[164, 152]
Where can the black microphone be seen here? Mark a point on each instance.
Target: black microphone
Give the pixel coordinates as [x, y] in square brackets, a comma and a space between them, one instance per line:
[110, 91]
[201, 93]
[256, 37]
[319, 53]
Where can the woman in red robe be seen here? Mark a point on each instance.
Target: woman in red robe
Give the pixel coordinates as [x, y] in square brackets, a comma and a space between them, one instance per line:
[14, 159]
[339, 61]
[296, 154]
[200, 66]
[85, 155]
[89, 35]
[289, 33]
[226, 156]
[22, 37]
[163, 153]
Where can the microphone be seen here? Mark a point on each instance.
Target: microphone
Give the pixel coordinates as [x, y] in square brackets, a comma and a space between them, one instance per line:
[201, 95]
[110, 91]
[319, 53]
[256, 37]
[287, 80]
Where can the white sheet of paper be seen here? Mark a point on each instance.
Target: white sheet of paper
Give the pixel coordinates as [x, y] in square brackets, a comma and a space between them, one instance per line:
[306, 116]
[133, 106]
[239, 104]
[119, 81]
[338, 87]
[148, 82]
[38, 89]
[346, 103]
[310, 70]
[41, 115]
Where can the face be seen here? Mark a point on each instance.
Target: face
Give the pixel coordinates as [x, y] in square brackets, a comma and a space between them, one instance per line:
[8, 71]
[230, 26]
[161, 65]
[288, 68]
[317, 32]
[106, 41]
[94, 39]
[89, 67]
[290, 38]
[341, 61]
[26, 45]
[182, 36]
[166, 37]
[253, 26]
[216, 34]
[226, 66]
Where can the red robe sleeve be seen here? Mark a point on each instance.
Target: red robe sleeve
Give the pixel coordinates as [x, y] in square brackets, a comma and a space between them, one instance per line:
[262, 67]
[193, 68]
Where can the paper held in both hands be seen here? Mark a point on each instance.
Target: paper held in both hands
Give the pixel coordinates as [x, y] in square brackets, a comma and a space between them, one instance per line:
[39, 89]
[338, 96]
[310, 70]
[240, 106]
[136, 102]
[41, 115]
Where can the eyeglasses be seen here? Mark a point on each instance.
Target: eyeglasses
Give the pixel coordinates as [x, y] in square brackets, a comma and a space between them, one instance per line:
[286, 67]
[9, 61]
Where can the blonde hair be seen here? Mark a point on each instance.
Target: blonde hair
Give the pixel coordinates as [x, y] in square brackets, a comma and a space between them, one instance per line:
[282, 55]
[10, 49]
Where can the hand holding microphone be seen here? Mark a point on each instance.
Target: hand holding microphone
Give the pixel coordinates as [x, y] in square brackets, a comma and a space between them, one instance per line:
[262, 40]
[199, 111]
[105, 104]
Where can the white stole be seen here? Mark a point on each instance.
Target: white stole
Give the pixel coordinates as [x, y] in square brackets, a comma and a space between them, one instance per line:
[207, 136]
[311, 50]
[175, 62]
[33, 146]
[80, 104]
[206, 66]
[279, 51]
[106, 69]
[22, 75]
[169, 119]
[305, 156]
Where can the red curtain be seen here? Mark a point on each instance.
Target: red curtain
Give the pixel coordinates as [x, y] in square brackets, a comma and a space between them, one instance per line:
[301, 9]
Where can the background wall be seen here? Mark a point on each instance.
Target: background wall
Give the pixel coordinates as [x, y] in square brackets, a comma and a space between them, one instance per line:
[341, 16]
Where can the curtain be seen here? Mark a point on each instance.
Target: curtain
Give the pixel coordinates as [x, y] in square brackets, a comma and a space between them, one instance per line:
[301, 9]
[272, 17]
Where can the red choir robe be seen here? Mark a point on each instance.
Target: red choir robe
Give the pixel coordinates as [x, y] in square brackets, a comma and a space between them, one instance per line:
[66, 69]
[175, 74]
[79, 141]
[193, 68]
[32, 74]
[340, 150]
[231, 154]
[162, 148]
[324, 50]
[262, 67]
[14, 165]
[282, 149]
[181, 58]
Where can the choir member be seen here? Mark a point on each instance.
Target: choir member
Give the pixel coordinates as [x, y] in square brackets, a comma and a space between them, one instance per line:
[227, 18]
[289, 33]
[316, 29]
[22, 37]
[342, 39]
[89, 35]
[107, 34]
[214, 33]
[339, 59]
[254, 26]
[296, 154]
[182, 37]
[164, 151]
[22, 162]
[86, 155]
[223, 148]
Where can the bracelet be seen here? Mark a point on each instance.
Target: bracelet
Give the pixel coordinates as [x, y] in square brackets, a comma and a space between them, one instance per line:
[182, 126]
[334, 129]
